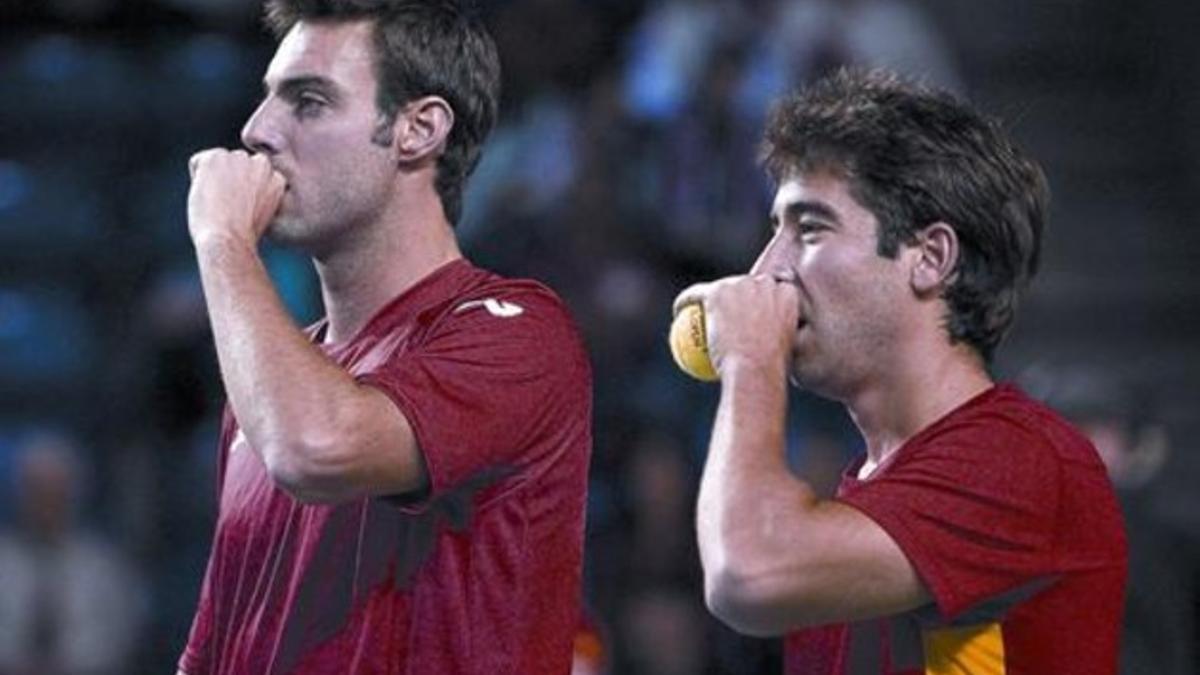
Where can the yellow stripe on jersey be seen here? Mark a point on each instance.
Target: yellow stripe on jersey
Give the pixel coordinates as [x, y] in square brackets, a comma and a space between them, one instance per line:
[969, 650]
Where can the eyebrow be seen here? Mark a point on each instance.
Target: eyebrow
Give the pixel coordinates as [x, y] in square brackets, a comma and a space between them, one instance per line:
[290, 87]
[795, 210]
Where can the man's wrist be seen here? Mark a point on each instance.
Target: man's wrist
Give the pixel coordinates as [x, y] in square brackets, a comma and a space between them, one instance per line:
[754, 366]
[222, 244]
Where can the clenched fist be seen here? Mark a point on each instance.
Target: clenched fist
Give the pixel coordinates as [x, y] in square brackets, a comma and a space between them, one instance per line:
[234, 195]
[751, 317]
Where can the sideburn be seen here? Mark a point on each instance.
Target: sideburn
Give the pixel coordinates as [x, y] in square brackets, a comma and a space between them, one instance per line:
[384, 133]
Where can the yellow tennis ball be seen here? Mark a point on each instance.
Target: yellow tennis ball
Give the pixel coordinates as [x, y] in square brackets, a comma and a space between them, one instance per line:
[689, 343]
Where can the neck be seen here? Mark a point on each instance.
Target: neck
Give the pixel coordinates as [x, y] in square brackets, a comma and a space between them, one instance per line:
[381, 260]
[915, 395]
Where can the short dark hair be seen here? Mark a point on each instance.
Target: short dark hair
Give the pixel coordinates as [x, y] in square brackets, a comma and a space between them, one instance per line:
[914, 156]
[422, 48]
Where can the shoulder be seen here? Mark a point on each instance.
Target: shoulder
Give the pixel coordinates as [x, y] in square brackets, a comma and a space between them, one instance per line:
[503, 308]
[1000, 441]
[464, 307]
[1008, 447]
[511, 296]
[1005, 418]
[480, 327]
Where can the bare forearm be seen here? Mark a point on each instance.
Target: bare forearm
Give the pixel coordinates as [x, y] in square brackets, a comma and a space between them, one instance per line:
[750, 507]
[321, 435]
[776, 557]
[281, 386]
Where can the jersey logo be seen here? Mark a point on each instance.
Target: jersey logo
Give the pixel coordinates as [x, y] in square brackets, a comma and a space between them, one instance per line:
[497, 308]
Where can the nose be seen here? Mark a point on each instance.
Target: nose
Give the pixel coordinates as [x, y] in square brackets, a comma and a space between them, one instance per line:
[261, 133]
[775, 261]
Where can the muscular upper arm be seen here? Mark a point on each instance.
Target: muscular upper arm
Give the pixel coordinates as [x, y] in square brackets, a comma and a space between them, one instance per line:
[369, 450]
[390, 461]
[825, 562]
[488, 392]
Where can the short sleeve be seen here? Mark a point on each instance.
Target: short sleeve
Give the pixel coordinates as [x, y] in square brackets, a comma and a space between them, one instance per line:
[974, 508]
[496, 387]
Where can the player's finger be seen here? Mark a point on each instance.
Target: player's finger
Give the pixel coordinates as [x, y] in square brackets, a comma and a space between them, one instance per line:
[199, 158]
[692, 294]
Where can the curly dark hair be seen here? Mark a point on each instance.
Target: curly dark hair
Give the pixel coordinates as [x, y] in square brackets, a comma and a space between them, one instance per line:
[422, 48]
[914, 156]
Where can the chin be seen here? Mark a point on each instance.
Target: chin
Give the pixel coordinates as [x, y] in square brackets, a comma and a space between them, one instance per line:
[799, 378]
[811, 380]
[287, 231]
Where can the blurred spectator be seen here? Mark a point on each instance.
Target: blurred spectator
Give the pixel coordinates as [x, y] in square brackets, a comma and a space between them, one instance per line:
[663, 629]
[788, 43]
[1159, 623]
[71, 603]
[661, 539]
[714, 210]
[529, 164]
[806, 39]
[651, 541]
[668, 52]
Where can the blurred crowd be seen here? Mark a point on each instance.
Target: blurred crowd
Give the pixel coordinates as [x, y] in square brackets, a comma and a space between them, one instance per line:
[623, 170]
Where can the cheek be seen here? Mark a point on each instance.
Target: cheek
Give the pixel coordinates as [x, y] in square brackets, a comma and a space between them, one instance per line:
[832, 275]
[851, 292]
[342, 167]
[337, 145]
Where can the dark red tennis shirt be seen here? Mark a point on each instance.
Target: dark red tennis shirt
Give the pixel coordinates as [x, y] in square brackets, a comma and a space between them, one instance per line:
[481, 575]
[1008, 516]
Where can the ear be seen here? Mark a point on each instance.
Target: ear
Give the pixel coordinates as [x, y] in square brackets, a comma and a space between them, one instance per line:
[422, 127]
[936, 258]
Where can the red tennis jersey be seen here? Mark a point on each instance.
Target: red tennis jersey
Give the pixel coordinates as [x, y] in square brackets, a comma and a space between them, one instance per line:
[1008, 516]
[480, 576]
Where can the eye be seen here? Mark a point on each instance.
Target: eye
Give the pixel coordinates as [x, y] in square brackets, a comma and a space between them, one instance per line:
[810, 228]
[309, 105]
